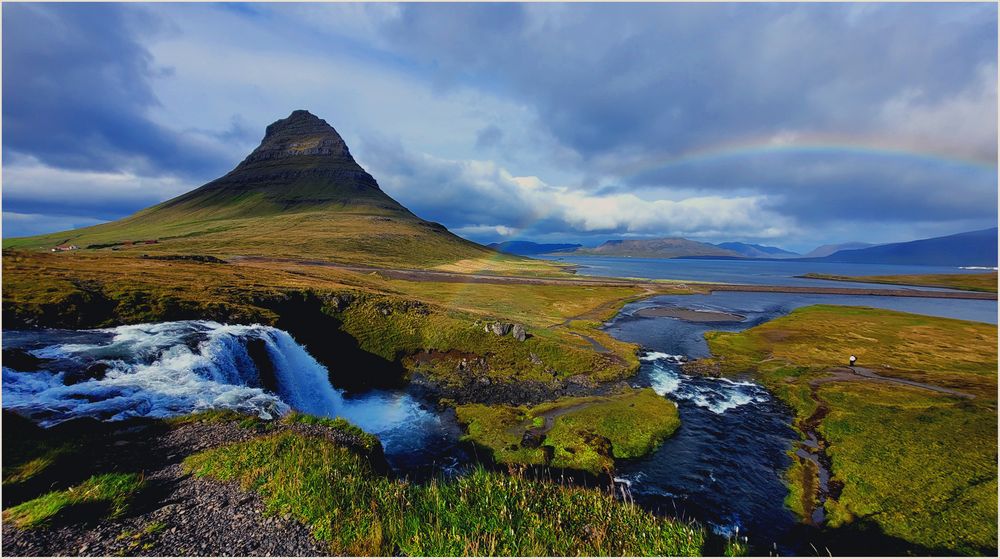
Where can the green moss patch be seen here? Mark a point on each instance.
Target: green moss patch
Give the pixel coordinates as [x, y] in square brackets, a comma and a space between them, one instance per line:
[918, 464]
[577, 433]
[483, 513]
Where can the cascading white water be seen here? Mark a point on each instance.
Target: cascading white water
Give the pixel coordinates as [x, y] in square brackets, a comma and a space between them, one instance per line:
[159, 370]
[175, 368]
[715, 394]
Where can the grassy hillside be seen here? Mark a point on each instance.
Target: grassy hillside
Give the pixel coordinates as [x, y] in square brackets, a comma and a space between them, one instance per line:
[918, 464]
[300, 194]
[479, 514]
[339, 233]
[969, 282]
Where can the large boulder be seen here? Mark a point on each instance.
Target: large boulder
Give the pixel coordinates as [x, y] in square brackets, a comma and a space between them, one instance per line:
[519, 333]
[501, 328]
[532, 438]
[504, 328]
[21, 360]
[95, 371]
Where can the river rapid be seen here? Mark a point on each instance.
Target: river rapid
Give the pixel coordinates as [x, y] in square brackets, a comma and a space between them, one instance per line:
[724, 466]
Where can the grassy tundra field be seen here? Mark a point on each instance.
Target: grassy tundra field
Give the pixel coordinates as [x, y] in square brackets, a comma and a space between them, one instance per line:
[915, 462]
[387, 320]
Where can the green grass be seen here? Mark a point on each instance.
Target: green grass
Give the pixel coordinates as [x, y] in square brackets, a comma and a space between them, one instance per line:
[30, 452]
[95, 290]
[483, 513]
[923, 466]
[586, 434]
[920, 465]
[341, 234]
[969, 282]
[367, 440]
[952, 353]
[111, 493]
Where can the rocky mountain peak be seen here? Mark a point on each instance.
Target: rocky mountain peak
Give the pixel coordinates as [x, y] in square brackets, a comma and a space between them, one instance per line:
[300, 134]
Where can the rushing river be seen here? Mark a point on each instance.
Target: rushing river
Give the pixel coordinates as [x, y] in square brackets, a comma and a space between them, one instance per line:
[723, 466]
[173, 368]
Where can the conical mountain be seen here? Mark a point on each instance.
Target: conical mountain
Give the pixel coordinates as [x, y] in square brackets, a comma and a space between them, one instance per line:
[300, 194]
[301, 163]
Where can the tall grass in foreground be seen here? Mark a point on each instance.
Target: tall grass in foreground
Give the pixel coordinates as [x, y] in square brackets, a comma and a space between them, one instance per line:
[335, 492]
[109, 493]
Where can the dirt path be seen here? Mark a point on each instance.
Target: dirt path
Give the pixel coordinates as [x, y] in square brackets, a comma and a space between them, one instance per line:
[857, 373]
[818, 481]
[651, 287]
[598, 346]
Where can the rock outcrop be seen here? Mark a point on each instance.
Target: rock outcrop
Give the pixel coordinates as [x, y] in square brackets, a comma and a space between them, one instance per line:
[503, 328]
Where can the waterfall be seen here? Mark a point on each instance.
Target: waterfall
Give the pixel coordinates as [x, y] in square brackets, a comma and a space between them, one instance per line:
[165, 369]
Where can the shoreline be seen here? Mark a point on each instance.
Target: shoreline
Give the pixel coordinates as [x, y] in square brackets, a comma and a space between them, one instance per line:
[857, 291]
[406, 274]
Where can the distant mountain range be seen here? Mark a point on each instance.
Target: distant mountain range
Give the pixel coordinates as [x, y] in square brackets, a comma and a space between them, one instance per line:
[827, 250]
[975, 248]
[528, 248]
[674, 247]
[757, 251]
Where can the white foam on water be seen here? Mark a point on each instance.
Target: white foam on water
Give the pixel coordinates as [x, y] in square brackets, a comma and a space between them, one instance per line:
[153, 370]
[665, 381]
[658, 356]
[718, 395]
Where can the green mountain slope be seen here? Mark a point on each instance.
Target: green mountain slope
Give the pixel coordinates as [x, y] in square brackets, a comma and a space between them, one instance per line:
[300, 194]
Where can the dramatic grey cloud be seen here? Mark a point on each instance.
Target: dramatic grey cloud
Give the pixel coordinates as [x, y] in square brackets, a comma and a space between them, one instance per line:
[796, 124]
[77, 91]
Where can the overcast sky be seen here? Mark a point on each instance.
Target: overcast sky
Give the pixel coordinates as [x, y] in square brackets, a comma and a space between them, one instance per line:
[792, 125]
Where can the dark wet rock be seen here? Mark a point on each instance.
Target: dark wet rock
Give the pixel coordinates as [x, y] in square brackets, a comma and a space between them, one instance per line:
[202, 258]
[94, 371]
[532, 438]
[340, 301]
[257, 350]
[21, 360]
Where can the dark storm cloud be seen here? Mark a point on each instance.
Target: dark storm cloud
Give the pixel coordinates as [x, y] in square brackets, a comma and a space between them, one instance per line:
[632, 83]
[77, 91]
[610, 79]
[836, 186]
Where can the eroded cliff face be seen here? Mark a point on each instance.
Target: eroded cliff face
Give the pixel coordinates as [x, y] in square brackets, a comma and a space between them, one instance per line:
[302, 162]
[302, 133]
